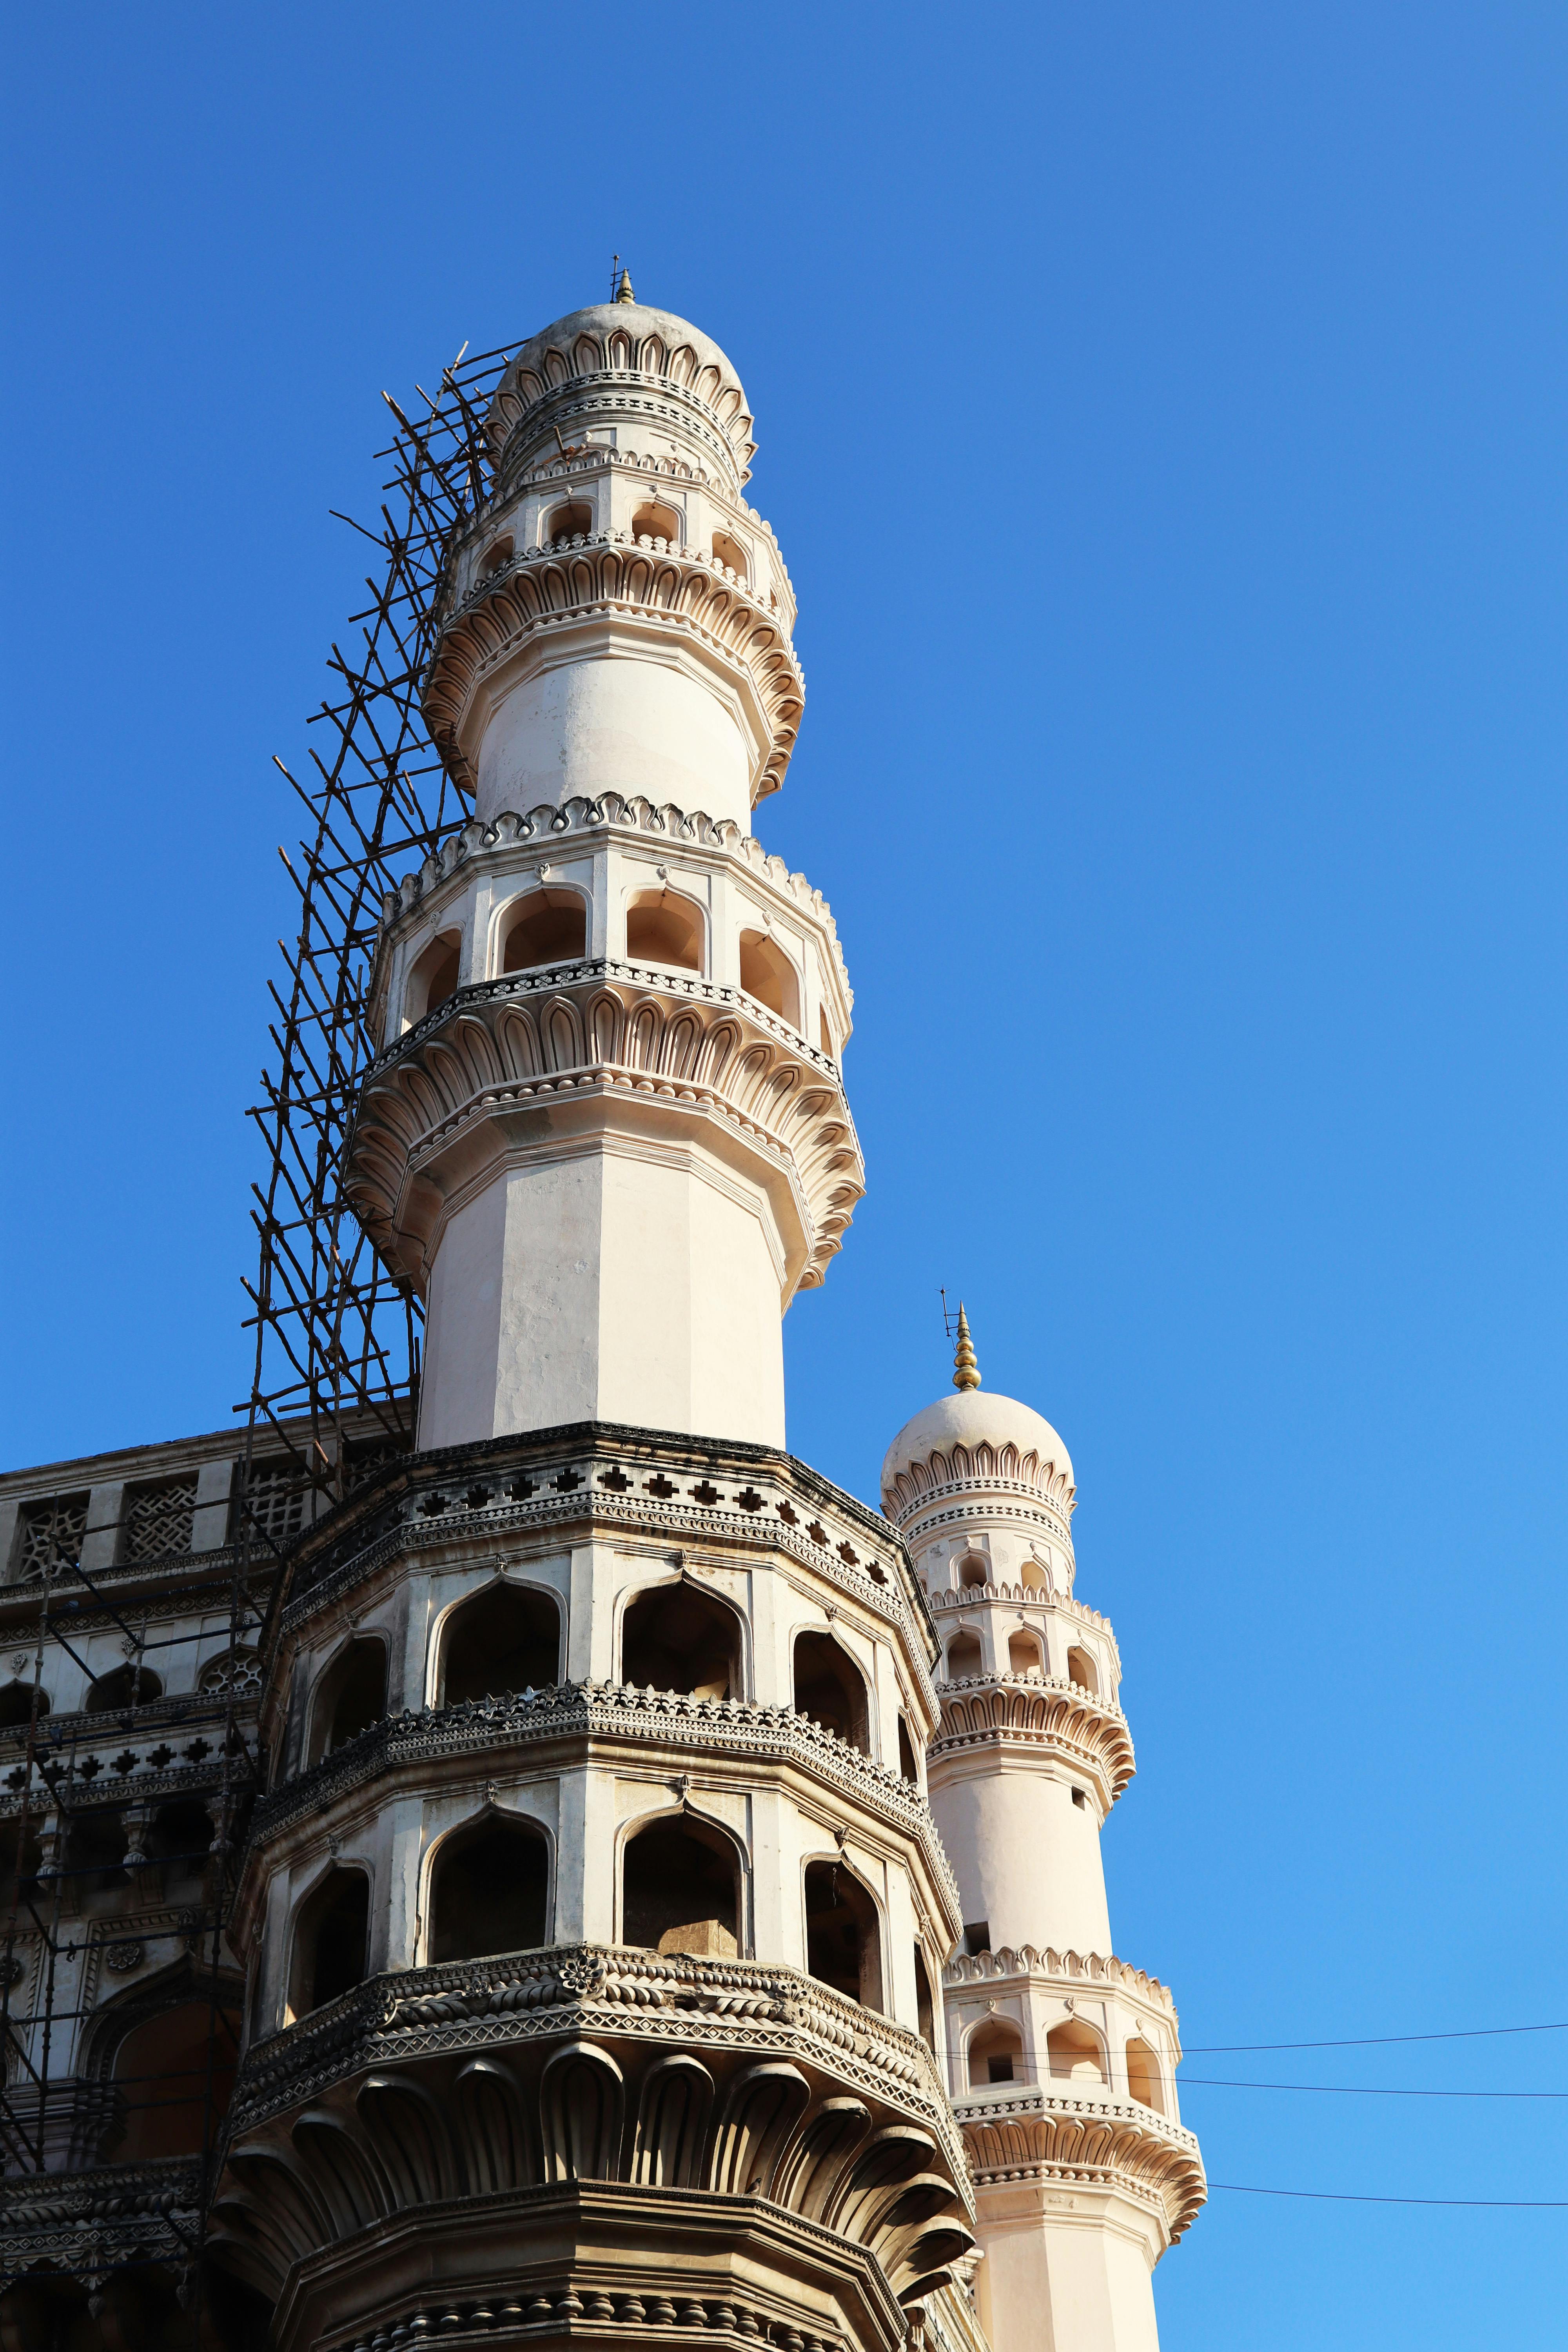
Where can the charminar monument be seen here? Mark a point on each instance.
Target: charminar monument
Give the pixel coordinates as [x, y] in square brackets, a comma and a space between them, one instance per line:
[670, 1902]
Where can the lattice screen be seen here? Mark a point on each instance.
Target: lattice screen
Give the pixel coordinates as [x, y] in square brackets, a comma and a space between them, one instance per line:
[236, 1674]
[365, 1459]
[276, 1496]
[158, 1520]
[52, 1531]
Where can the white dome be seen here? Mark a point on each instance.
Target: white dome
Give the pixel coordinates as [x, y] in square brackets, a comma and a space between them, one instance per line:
[971, 1417]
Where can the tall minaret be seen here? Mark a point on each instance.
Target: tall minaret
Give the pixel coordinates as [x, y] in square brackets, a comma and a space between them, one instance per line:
[606, 1137]
[594, 1916]
[1062, 2058]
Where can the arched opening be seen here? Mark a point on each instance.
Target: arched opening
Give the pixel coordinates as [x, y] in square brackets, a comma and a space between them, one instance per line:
[179, 1839]
[925, 2005]
[996, 2055]
[16, 1703]
[503, 1640]
[1073, 2053]
[657, 520]
[548, 927]
[161, 2069]
[497, 553]
[351, 1696]
[94, 1856]
[680, 1890]
[663, 927]
[331, 1940]
[824, 1036]
[831, 1689]
[1023, 1654]
[973, 1570]
[127, 1687]
[843, 1936]
[1081, 1670]
[731, 554]
[19, 1867]
[434, 978]
[963, 1657]
[1037, 1577]
[767, 974]
[678, 1638]
[908, 1768]
[489, 1892]
[574, 520]
[1143, 2074]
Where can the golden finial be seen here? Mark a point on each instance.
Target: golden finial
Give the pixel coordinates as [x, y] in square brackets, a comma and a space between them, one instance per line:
[623, 287]
[965, 1371]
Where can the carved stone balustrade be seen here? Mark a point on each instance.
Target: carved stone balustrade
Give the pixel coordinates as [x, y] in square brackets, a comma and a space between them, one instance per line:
[752, 2102]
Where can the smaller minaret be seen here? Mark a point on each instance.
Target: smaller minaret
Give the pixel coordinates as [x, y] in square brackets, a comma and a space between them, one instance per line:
[1062, 2058]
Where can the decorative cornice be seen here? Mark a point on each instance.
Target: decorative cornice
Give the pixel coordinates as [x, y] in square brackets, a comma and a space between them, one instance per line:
[1073, 1968]
[595, 1028]
[649, 1481]
[675, 591]
[1035, 1711]
[1099, 2142]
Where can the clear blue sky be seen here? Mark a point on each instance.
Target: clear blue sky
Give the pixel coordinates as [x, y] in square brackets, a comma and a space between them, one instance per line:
[1161, 411]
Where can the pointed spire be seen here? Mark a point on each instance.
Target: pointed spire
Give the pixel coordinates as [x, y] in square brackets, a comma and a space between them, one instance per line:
[965, 1371]
[623, 287]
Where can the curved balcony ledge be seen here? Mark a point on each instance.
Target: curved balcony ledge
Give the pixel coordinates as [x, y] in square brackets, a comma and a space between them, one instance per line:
[612, 1712]
[676, 590]
[1035, 1711]
[600, 2062]
[500, 1050]
[1018, 2134]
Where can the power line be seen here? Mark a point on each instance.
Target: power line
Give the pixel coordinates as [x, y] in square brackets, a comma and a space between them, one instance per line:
[1348, 2197]
[1366, 2042]
[1359, 2090]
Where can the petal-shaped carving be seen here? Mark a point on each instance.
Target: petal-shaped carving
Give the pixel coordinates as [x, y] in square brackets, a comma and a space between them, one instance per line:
[518, 1037]
[563, 1031]
[340, 2172]
[605, 1021]
[805, 2181]
[479, 1047]
[411, 2137]
[673, 2115]
[497, 2143]
[582, 2098]
[287, 2207]
[643, 1037]
[888, 2160]
[682, 1045]
[763, 2106]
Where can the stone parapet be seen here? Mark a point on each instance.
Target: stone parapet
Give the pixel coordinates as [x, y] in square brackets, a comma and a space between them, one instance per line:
[469, 2091]
[608, 1714]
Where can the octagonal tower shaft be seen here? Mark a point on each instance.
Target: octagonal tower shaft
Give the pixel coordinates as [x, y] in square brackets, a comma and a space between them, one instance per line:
[605, 1135]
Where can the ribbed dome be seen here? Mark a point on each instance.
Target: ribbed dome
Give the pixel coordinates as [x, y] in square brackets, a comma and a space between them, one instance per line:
[971, 1418]
[617, 338]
